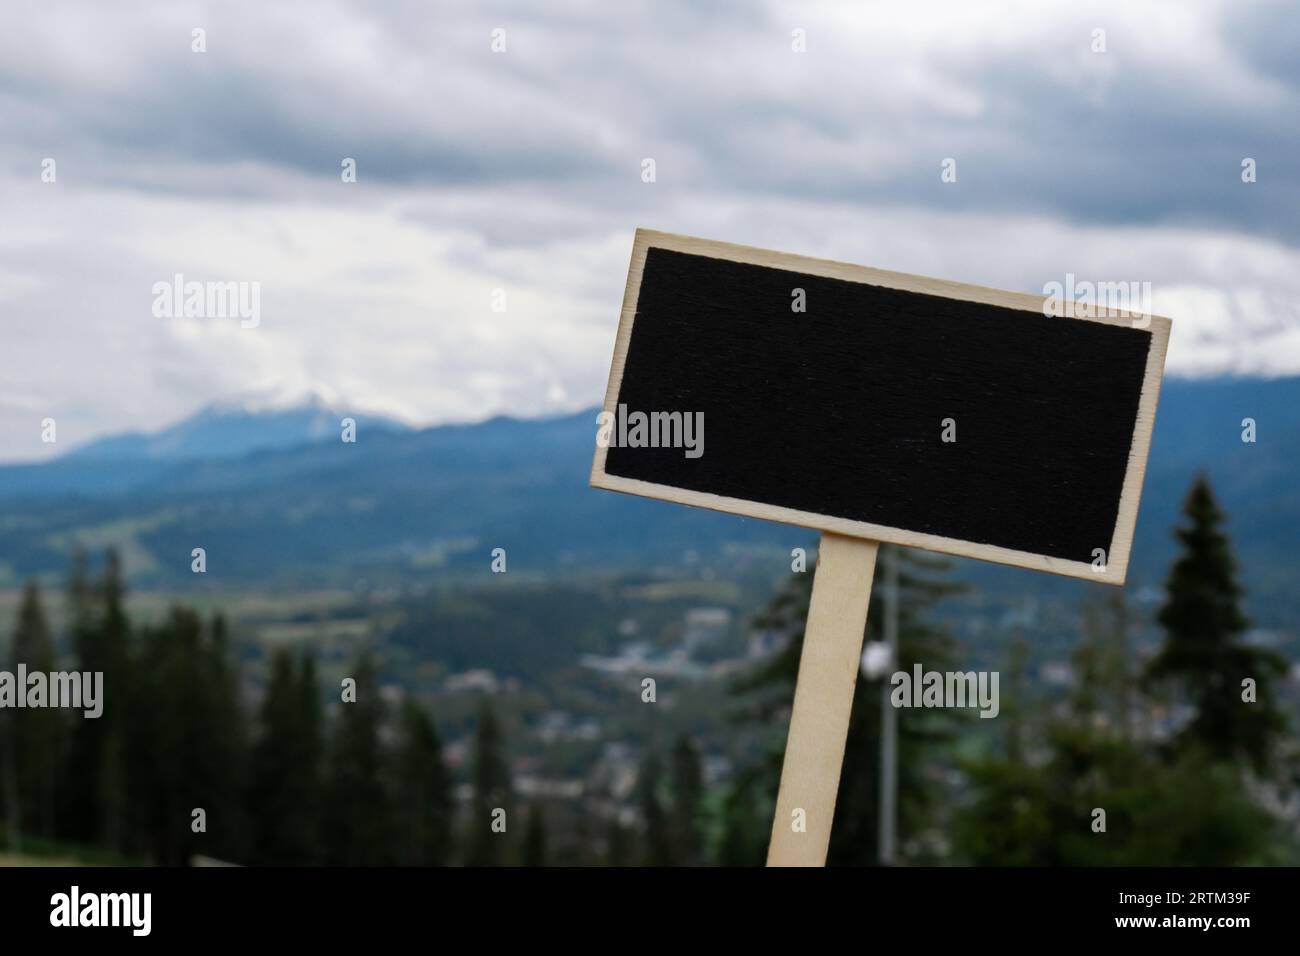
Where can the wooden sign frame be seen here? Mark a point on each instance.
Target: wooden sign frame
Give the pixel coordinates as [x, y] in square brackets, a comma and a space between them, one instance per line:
[1117, 554]
[841, 594]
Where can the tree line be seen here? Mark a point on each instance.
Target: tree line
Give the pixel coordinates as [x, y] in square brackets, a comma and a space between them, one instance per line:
[1173, 757]
[1168, 755]
[176, 767]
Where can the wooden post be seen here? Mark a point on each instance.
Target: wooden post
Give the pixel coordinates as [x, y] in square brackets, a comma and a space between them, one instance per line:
[823, 700]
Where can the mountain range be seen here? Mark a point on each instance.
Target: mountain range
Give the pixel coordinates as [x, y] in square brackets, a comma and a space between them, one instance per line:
[235, 428]
[278, 500]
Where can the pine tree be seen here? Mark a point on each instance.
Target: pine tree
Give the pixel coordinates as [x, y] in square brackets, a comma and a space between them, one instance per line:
[688, 798]
[491, 790]
[746, 821]
[310, 729]
[535, 837]
[618, 849]
[1105, 682]
[10, 805]
[1203, 655]
[220, 768]
[94, 778]
[359, 822]
[1018, 703]
[1040, 811]
[423, 791]
[38, 734]
[114, 650]
[77, 779]
[156, 756]
[1036, 806]
[284, 793]
[658, 835]
[185, 743]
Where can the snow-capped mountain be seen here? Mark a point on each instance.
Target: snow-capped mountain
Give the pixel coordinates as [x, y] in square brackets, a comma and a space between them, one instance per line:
[234, 427]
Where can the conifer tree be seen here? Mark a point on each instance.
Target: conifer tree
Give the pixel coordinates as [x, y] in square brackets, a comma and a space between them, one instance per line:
[38, 734]
[658, 834]
[491, 779]
[1042, 810]
[423, 791]
[94, 778]
[359, 823]
[535, 837]
[618, 850]
[1203, 655]
[77, 779]
[222, 767]
[688, 797]
[185, 743]
[746, 821]
[309, 732]
[10, 807]
[1105, 679]
[284, 792]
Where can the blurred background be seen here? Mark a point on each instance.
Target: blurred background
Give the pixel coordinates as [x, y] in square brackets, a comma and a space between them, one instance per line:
[437, 203]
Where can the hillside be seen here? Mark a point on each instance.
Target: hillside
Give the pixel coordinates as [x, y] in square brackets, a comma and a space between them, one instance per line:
[401, 506]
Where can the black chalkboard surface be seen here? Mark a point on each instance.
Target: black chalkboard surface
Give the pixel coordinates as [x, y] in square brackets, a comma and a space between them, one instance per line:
[881, 405]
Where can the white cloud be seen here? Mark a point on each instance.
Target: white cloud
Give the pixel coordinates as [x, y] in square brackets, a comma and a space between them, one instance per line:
[521, 171]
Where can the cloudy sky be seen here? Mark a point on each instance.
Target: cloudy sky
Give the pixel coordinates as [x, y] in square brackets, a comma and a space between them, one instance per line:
[522, 170]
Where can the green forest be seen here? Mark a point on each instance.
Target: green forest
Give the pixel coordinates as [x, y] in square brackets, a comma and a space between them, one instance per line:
[1181, 756]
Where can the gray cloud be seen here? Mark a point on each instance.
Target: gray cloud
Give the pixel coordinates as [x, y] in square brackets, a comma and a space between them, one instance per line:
[1038, 122]
[521, 171]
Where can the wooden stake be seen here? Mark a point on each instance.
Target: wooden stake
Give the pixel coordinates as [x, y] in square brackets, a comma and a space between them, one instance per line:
[823, 699]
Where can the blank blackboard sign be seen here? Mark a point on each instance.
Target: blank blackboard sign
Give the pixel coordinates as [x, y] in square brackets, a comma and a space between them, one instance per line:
[884, 406]
[874, 406]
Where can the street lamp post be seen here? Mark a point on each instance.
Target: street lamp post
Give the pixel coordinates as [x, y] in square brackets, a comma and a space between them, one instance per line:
[889, 719]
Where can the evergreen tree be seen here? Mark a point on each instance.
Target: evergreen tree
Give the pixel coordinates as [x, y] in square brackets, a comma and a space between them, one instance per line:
[223, 768]
[94, 778]
[491, 789]
[1040, 807]
[185, 743]
[311, 752]
[1018, 702]
[658, 834]
[1105, 682]
[1203, 655]
[155, 718]
[284, 792]
[10, 807]
[746, 822]
[1007, 819]
[38, 734]
[79, 772]
[359, 821]
[688, 797]
[423, 791]
[535, 837]
[618, 844]
[114, 653]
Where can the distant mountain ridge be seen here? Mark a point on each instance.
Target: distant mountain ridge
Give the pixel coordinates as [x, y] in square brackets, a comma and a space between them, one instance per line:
[234, 428]
[418, 505]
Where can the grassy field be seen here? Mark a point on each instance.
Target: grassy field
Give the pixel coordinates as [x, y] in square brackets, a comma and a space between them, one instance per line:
[18, 859]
